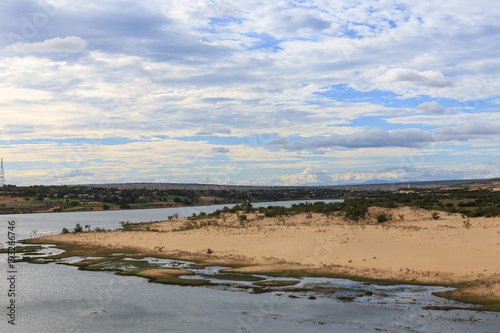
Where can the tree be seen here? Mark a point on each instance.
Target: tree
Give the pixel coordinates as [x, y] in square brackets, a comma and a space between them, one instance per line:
[124, 205]
[78, 228]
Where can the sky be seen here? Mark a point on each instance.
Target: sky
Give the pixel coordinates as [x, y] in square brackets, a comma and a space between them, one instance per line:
[249, 92]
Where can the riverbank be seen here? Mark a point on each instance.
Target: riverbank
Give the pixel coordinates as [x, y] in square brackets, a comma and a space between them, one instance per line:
[411, 247]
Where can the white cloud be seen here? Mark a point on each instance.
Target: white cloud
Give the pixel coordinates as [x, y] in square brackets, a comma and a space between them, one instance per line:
[454, 119]
[313, 176]
[219, 150]
[410, 137]
[215, 131]
[432, 107]
[412, 77]
[67, 44]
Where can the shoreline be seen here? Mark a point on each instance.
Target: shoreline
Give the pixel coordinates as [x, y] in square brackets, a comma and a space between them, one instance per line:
[47, 211]
[411, 250]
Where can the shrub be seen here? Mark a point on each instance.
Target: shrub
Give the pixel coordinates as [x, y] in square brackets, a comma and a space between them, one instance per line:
[78, 228]
[105, 207]
[124, 205]
[210, 251]
[64, 231]
[383, 217]
[274, 211]
[126, 226]
[390, 204]
[435, 216]
[355, 212]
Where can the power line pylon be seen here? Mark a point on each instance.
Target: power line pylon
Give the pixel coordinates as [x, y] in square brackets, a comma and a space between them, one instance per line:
[2, 175]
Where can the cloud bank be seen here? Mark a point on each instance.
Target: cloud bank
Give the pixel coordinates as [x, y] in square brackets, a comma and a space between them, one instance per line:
[178, 91]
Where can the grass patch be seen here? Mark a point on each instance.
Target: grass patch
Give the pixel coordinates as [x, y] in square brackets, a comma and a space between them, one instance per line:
[237, 277]
[108, 261]
[460, 295]
[118, 264]
[170, 276]
[181, 197]
[277, 283]
[62, 201]
[23, 249]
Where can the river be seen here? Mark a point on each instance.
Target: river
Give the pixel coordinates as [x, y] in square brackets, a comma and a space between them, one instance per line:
[60, 298]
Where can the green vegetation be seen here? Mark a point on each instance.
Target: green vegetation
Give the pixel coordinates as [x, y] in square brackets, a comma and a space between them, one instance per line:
[127, 226]
[78, 228]
[237, 277]
[276, 283]
[471, 202]
[355, 207]
[85, 198]
[173, 278]
[483, 303]
[383, 217]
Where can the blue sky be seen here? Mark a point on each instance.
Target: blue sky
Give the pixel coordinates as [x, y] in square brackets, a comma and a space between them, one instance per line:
[249, 92]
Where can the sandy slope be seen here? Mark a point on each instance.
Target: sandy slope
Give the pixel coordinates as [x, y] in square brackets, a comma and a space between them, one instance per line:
[411, 247]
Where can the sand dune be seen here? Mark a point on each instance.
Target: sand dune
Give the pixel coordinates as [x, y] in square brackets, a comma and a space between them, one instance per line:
[411, 247]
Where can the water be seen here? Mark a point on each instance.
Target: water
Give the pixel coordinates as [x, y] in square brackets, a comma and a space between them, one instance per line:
[60, 298]
[52, 223]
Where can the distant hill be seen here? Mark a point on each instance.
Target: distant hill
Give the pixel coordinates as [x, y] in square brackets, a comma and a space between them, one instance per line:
[372, 185]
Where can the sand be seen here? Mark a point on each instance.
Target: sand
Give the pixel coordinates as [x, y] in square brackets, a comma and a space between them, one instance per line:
[411, 247]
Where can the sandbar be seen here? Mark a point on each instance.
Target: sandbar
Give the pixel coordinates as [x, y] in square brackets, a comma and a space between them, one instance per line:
[411, 247]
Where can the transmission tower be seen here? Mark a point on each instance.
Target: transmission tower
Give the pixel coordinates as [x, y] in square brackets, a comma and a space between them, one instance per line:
[2, 175]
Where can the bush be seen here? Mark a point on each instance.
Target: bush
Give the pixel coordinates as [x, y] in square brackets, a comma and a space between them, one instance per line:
[124, 206]
[65, 231]
[78, 228]
[126, 226]
[355, 212]
[383, 217]
[435, 216]
[105, 207]
[274, 211]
